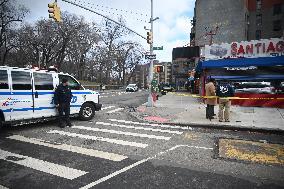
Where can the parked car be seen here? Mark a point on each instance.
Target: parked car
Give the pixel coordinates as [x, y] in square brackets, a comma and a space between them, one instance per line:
[255, 87]
[131, 88]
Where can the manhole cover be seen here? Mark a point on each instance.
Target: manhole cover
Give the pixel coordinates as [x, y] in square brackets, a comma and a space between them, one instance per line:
[251, 151]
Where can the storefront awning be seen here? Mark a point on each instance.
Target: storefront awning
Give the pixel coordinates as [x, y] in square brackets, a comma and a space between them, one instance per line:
[249, 77]
[242, 62]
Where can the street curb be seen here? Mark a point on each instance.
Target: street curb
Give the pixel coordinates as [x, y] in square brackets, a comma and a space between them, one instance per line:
[215, 127]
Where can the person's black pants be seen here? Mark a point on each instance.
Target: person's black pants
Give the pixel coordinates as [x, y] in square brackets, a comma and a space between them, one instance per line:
[209, 111]
[64, 112]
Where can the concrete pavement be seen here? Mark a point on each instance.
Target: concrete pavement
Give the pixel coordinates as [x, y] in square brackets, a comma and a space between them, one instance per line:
[174, 108]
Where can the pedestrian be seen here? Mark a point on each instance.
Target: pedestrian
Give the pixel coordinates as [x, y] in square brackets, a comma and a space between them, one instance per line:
[224, 90]
[62, 99]
[211, 101]
[101, 87]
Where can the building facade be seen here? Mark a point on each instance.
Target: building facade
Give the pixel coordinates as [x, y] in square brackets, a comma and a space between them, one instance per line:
[229, 21]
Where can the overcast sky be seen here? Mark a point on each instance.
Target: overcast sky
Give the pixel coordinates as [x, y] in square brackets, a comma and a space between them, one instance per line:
[171, 30]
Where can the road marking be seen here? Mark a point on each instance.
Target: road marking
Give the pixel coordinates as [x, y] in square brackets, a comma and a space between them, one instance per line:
[108, 107]
[103, 179]
[3, 187]
[122, 133]
[70, 148]
[40, 165]
[115, 110]
[151, 124]
[103, 96]
[140, 128]
[114, 141]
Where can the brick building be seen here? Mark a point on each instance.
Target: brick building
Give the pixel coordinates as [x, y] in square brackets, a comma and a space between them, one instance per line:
[226, 21]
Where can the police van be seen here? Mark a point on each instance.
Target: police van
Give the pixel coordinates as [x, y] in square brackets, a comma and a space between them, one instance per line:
[27, 95]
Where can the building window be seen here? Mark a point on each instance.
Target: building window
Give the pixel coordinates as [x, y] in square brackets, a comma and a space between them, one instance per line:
[21, 80]
[258, 20]
[4, 79]
[258, 34]
[277, 9]
[43, 81]
[277, 25]
[258, 4]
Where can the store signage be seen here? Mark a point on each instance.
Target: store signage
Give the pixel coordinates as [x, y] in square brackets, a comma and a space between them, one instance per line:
[246, 49]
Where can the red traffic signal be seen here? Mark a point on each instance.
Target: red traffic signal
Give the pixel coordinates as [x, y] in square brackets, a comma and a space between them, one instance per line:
[159, 69]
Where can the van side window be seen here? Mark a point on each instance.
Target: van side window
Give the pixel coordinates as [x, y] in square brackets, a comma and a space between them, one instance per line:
[73, 84]
[21, 80]
[43, 81]
[4, 79]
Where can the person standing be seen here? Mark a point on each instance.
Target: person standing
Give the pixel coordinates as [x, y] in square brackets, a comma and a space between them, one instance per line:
[224, 90]
[211, 101]
[62, 99]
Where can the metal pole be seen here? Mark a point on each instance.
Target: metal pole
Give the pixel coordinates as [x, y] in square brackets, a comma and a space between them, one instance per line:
[150, 98]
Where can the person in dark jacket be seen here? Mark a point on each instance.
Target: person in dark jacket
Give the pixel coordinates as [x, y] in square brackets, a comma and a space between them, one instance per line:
[62, 99]
[224, 89]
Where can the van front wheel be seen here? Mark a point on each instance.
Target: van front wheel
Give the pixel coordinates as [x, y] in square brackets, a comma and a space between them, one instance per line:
[87, 112]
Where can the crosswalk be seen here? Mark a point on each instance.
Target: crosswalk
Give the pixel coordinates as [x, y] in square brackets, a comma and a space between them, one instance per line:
[111, 109]
[114, 93]
[112, 132]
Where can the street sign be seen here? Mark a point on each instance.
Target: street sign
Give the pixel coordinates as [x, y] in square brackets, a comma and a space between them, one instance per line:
[158, 48]
[150, 56]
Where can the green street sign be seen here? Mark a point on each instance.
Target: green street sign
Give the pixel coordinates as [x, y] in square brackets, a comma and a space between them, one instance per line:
[158, 48]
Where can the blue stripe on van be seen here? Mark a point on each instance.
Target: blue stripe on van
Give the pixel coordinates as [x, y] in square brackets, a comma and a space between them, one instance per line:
[39, 93]
[36, 109]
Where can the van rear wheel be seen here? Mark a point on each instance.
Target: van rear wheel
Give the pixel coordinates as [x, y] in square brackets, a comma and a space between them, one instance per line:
[87, 112]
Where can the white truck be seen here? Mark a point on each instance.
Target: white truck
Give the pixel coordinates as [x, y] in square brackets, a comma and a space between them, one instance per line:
[27, 95]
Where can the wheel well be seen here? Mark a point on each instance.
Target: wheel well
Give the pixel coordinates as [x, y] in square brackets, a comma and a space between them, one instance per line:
[90, 102]
[2, 118]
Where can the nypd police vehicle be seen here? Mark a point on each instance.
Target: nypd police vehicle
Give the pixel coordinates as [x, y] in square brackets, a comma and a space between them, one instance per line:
[27, 95]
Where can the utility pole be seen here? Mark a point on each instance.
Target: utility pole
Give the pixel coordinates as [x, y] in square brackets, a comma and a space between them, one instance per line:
[150, 98]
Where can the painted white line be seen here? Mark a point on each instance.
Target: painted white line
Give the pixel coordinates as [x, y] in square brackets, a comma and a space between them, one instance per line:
[115, 110]
[132, 166]
[150, 124]
[122, 133]
[103, 96]
[140, 128]
[40, 165]
[108, 107]
[70, 148]
[113, 141]
[3, 187]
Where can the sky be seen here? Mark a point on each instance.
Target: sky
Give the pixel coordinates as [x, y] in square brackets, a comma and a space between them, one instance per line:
[171, 30]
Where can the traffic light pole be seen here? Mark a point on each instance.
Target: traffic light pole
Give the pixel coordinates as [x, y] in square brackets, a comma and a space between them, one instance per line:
[150, 98]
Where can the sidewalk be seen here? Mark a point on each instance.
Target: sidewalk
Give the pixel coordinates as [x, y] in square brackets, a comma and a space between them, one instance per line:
[186, 110]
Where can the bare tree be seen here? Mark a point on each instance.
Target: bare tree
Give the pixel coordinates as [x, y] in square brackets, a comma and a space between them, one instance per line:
[9, 15]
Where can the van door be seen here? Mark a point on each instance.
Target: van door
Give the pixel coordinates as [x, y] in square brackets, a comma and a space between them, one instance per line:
[22, 104]
[43, 95]
[5, 95]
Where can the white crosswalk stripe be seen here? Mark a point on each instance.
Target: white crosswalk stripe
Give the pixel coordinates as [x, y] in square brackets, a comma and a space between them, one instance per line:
[150, 124]
[123, 133]
[66, 147]
[108, 107]
[114, 141]
[140, 128]
[115, 110]
[40, 165]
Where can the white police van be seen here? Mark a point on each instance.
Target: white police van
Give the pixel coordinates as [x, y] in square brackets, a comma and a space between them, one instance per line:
[27, 95]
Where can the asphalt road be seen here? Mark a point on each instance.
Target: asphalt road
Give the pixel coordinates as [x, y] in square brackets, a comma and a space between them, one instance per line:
[115, 150]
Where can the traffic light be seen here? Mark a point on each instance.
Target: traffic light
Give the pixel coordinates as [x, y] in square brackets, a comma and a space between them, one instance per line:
[149, 38]
[159, 69]
[54, 12]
